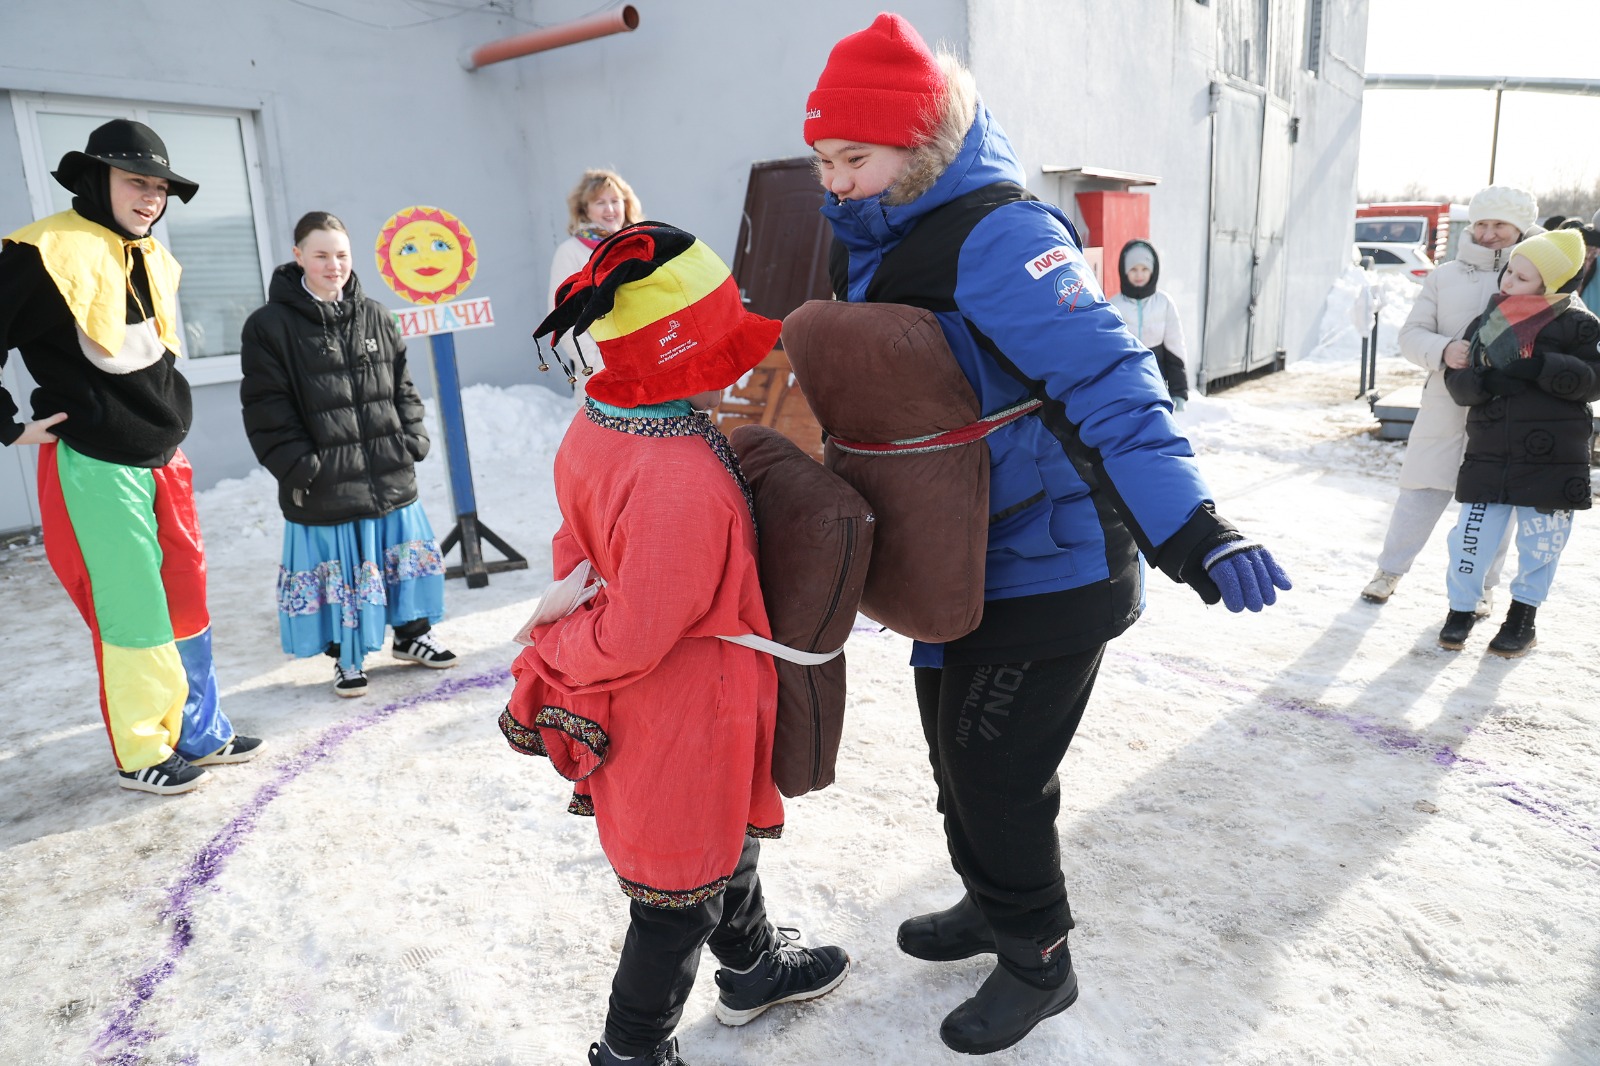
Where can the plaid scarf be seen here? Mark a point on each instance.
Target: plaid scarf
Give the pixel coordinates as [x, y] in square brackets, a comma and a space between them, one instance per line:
[1510, 326]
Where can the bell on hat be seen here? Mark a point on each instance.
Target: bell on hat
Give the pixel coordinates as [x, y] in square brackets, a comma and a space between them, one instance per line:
[666, 315]
[126, 145]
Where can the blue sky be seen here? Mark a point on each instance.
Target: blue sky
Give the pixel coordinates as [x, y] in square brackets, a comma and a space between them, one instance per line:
[1442, 138]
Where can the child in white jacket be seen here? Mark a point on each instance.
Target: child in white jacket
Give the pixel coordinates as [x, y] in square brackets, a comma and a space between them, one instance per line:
[1152, 316]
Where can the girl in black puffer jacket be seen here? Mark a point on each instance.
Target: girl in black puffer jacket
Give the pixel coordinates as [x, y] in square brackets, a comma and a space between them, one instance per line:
[1534, 368]
[330, 410]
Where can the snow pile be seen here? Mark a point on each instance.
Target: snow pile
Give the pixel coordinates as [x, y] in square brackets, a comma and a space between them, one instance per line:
[1347, 314]
[1309, 836]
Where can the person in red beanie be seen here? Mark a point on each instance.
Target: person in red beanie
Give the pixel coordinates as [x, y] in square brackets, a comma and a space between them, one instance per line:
[665, 730]
[927, 206]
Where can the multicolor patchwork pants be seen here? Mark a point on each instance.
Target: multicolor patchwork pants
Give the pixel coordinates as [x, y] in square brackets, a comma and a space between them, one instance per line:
[125, 542]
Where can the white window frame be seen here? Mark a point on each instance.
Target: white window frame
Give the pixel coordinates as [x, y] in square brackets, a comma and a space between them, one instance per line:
[207, 370]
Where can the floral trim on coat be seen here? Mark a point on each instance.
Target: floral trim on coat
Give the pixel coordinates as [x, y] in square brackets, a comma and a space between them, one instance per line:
[670, 899]
[520, 737]
[771, 832]
[587, 733]
[581, 804]
[698, 424]
[306, 592]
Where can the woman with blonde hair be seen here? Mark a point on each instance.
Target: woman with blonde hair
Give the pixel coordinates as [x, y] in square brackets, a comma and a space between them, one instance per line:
[599, 205]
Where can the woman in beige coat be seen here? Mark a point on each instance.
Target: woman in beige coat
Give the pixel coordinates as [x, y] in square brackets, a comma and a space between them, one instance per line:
[1451, 297]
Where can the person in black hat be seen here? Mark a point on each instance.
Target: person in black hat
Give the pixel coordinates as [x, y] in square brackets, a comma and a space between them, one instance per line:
[89, 298]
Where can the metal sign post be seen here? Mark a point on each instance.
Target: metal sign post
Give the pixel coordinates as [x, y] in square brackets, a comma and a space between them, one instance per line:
[427, 256]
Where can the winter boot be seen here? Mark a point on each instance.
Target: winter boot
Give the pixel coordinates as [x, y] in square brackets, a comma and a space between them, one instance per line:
[786, 974]
[1033, 981]
[957, 932]
[1457, 624]
[1516, 634]
[663, 1054]
[1381, 587]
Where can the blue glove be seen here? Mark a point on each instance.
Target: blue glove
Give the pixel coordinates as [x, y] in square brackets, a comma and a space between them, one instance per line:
[1246, 574]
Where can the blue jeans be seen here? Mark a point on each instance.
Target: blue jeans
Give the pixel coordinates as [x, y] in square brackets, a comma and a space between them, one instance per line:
[1480, 530]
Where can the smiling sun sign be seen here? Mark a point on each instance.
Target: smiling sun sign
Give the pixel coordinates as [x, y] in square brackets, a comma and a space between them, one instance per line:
[426, 255]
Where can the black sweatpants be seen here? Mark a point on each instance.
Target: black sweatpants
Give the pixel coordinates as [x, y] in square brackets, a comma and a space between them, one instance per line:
[996, 734]
[661, 954]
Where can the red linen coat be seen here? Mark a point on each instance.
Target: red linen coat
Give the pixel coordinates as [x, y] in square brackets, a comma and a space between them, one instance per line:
[667, 729]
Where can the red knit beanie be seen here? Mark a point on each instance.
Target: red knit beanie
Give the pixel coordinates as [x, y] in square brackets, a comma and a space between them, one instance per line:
[881, 86]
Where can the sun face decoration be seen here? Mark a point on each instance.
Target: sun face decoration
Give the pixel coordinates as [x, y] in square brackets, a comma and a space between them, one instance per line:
[426, 255]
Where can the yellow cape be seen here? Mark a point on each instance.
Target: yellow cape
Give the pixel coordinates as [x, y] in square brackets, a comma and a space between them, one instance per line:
[90, 264]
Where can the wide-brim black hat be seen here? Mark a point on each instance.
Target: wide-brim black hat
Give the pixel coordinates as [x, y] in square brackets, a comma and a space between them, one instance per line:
[126, 145]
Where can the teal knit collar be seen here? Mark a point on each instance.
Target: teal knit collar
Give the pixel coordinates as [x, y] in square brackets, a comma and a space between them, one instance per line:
[670, 409]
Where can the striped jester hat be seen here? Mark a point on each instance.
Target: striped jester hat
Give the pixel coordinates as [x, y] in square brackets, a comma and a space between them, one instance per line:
[665, 313]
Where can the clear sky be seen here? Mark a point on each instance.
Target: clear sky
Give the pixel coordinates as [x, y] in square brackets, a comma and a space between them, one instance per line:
[1441, 138]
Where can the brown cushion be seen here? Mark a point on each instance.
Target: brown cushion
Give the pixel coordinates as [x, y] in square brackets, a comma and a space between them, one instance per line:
[816, 541]
[876, 373]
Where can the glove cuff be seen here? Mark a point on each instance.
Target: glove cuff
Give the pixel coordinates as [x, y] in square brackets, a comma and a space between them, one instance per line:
[1229, 548]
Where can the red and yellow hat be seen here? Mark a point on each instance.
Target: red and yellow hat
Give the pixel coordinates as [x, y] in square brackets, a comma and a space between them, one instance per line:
[666, 315]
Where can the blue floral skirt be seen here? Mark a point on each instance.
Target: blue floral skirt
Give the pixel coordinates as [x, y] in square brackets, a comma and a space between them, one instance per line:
[344, 584]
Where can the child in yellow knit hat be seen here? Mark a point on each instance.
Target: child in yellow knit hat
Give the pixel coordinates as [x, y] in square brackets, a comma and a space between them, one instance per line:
[1534, 367]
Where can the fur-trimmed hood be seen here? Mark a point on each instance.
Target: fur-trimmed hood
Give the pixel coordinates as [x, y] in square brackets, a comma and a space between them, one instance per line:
[936, 176]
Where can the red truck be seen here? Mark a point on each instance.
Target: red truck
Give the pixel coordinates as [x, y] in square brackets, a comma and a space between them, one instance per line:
[1425, 223]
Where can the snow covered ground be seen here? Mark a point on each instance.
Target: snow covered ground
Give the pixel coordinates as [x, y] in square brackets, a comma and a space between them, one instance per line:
[1306, 836]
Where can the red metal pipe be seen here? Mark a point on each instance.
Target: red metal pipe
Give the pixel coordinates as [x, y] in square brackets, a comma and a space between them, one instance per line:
[618, 20]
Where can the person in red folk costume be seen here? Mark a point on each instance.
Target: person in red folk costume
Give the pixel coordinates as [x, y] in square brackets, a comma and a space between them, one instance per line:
[665, 729]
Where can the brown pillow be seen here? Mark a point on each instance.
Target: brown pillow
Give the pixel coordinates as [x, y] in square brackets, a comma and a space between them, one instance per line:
[876, 373]
[816, 541]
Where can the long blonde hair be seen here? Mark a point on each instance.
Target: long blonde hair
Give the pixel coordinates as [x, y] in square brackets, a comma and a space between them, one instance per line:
[589, 187]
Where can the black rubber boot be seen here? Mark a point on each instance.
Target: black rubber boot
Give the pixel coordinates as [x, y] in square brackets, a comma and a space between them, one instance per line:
[957, 932]
[1457, 624]
[1516, 634]
[1033, 981]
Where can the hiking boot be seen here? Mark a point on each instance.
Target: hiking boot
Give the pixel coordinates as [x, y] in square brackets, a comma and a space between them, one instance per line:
[663, 1054]
[237, 749]
[785, 974]
[349, 683]
[1457, 624]
[1017, 996]
[424, 649]
[1381, 587]
[166, 778]
[1516, 634]
[957, 932]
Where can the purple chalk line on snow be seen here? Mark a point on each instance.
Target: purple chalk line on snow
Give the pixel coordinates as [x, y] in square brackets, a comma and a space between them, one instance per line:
[1393, 738]
[121, 1034]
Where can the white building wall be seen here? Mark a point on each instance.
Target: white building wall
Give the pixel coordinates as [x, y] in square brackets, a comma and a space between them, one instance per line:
[363, 108]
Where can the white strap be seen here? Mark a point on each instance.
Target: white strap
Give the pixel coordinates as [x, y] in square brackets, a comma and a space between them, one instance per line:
[783, 651]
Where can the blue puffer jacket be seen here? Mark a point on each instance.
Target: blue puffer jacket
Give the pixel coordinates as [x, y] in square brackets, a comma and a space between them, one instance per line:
[1101, 472]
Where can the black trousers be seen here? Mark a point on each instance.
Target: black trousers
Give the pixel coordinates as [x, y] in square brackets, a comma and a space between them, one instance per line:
[996, 734]
[661, 955]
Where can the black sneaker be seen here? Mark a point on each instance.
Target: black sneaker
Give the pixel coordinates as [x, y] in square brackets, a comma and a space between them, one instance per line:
[786, 974]
[663, 1054]
[165, 779]
[425, 650]
[349, 683]
[239, 749]
[1457, 624]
